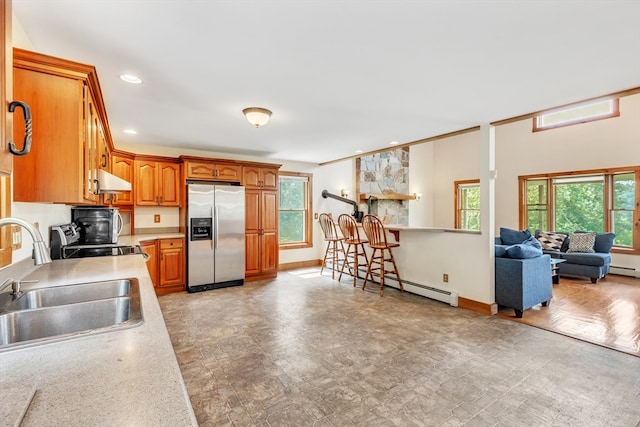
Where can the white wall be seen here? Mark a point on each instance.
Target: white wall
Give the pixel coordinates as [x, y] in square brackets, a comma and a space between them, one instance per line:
[421, 180]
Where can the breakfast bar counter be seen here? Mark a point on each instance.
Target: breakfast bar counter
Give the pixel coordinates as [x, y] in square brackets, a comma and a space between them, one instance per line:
[121, 377]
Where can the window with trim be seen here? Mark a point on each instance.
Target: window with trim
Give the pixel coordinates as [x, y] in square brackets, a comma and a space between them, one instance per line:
[597, 200]
[295, 210]
[580, 113]
[467, 200]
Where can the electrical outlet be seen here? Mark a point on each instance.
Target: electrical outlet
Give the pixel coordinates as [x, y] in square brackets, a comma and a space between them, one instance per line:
[315, 215]
[156, 218]
[445, 278]
[16, 237]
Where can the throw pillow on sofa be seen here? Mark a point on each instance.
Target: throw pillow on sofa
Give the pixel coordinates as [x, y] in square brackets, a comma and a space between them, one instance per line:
[582, 242]
[551, 241]
[513, 237]
[530, 248]
[604, 241]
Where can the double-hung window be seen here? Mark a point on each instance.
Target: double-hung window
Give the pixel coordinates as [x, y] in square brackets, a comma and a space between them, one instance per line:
[597, 200]
[295, 212]
[467, 199]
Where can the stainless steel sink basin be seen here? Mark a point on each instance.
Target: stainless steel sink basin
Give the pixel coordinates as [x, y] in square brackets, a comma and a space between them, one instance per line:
[63, 312]
[61, 295]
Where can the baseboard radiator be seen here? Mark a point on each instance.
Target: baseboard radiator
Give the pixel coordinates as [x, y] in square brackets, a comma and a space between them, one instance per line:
[448, 297]
[624, 271]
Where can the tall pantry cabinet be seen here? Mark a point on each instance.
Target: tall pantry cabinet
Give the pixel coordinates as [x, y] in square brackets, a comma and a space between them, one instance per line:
[261, 221]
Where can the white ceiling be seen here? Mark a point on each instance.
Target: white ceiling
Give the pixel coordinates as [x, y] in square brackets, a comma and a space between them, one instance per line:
[338, 75]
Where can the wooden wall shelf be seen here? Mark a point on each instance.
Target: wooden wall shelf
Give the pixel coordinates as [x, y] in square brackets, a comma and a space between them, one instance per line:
[367, 196]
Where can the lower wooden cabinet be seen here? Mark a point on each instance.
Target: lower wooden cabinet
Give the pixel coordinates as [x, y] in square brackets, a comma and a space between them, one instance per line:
[166, 264]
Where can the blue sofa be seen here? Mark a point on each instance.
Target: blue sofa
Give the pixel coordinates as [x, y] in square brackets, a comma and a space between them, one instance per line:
[594, 265]
[522, 272]
[523, 283]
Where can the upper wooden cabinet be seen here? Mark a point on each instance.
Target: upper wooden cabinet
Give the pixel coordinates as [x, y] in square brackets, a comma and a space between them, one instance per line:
[157, 183]
[70, 130]
[122, 167]
[211, 171]
[265, 178]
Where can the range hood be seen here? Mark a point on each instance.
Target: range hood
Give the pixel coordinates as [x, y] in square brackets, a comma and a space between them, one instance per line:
[109, 183]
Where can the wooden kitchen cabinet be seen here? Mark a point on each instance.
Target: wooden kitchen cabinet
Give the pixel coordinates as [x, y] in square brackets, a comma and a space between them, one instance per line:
[166, 265]
[260, 177]
[211, 171]
[157, 183]
[261, 234]
[69, 130]
[122, 167]
[151, 249]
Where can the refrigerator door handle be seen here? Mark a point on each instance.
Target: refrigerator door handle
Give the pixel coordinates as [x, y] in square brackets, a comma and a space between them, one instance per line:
[215, 231]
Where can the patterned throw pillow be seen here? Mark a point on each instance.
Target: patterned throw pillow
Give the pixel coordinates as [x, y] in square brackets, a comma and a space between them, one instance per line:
[551, 241]
[581, 242]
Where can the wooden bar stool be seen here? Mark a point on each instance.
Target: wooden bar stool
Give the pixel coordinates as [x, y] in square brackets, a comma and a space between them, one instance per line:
[349, 228]
[334, 243]
[374, 229]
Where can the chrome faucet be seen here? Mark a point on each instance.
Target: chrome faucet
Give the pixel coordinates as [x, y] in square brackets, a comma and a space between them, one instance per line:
[40, 251]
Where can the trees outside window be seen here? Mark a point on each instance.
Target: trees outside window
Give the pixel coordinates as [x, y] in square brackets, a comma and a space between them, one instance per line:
[598, 201]
[295, 210]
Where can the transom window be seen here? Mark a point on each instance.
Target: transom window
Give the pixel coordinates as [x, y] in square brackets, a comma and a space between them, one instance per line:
[582, 113]
[598, 201]
[467, 198]
[295, 212]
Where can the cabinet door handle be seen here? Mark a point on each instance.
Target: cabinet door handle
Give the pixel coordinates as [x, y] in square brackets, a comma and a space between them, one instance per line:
[104, 160]
[97, 189]
[26, 112]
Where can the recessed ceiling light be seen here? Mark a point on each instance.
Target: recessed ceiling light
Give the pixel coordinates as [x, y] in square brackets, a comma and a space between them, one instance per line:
[358, 151]
[131, 131]
[130, 78]
[394, 143]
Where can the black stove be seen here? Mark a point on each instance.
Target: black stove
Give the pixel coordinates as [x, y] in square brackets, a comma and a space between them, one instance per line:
[65, 244]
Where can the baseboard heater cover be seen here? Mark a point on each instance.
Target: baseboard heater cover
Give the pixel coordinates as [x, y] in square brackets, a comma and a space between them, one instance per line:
[624, 271]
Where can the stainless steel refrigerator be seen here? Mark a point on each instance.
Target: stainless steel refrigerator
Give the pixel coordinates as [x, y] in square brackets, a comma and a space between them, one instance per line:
[215, 224]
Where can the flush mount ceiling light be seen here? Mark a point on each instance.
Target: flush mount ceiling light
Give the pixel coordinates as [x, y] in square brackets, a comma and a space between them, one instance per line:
[257, 116]
[130, 131]
[130, 78]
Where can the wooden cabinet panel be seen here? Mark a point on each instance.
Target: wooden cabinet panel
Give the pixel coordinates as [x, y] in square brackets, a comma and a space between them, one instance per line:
[253, 253]
[169, 184]
[270, 253]
[157, 183]
[171, 262]
[270, 211]
[252, 210]
[270, 179]
[146, 187]
[212, 171]
[151, 248]
[122, 167]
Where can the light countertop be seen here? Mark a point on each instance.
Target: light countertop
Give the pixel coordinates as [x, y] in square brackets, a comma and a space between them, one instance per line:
[123, 377]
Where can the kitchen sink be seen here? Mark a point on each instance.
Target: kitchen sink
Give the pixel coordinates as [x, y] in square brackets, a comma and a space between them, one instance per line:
[61, 295]
[62, 312]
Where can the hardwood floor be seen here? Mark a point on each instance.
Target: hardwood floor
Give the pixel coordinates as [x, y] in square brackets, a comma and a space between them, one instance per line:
[606, 313]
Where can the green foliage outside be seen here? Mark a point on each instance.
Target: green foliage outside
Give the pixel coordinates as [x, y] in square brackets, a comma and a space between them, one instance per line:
[470, 212]
[292, 194]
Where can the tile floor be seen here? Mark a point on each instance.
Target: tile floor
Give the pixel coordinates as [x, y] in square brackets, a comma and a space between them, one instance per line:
[305, 350]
